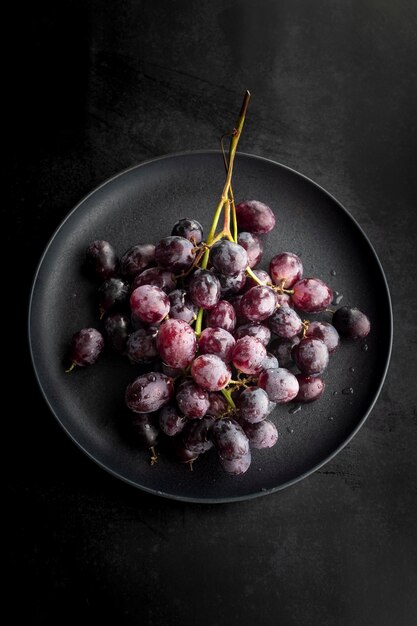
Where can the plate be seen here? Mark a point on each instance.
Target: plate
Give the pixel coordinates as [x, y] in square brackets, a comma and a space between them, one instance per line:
[140, 205]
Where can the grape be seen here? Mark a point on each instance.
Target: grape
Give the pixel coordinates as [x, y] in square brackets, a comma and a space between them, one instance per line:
[235, 302]
[204, 289]
[175, 253]
[263, 276]
[280, 385]
[182, 307]
[253, 246]
[149, 303]
[311, 356]
[101, 260]
[149, 392]
[176, 343]
[190, 229]
[222, 315]
[117, 329]
[284, 299]
[86, 346]
[210, 372]
[173, 372]
[311, 388]
[230, 285]
[282, 349]
[326, 332]
[197, 435]
[270, 362]
[253, 404]
[285, 323]
[351, 322]
[254, 329]
[286, 268]
[141, 345]
[262, 434]
[183, 455]
[171, 422]
[218, 404]
[229, 439]
[228, 257]
[192, 400]
[311, 295]
[217, 341]
[255, 217]
[137, 259]
[258, 303]
[238, 466]
[248, 355]
[112, 294]
[144, 428]
[157, 277]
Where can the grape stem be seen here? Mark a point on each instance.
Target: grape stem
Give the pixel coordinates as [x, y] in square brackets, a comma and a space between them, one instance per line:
[228, 397]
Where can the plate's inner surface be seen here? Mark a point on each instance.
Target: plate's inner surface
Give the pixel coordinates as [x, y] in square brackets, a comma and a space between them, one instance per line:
[141, 205]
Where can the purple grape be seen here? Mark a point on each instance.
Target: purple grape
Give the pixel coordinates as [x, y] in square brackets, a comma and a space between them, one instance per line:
[218, 404]
[116, 330]
[253, 246]
[113, 294]
[228, 257]
[86, 346]
[258, 303]
[263, 276]
[311, 295]
[192, 400]
[175, 253]
[326, 332]
[157, 277]
[311, 388]
[248, 355]
[190, 229]
[217, 341]
[280, 385]
[149, 392]
[101, 260]
[182, 454]
[262, 434]
[182, 307]
[171, 422]
[311, 356]
[254, 329]
[145, 428]
[141, 345]
[235, 302]
[197, 435]
[255, 217]
[282, 349]
[285, 323]
[222, 315]
[176, 343]
[229, 285]
[150, 304]
[270, 362]
[204, 289]
[210, 372]
[351, 322]
[238, 466]
[253, 404]
[284, 299]
[286, 268]
[137, 259]
[229, 439]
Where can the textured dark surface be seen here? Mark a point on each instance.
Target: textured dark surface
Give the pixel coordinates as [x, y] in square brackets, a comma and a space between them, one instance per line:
[98, 88]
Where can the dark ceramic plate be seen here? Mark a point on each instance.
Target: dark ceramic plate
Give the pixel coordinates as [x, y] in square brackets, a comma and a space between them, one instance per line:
[141, 205]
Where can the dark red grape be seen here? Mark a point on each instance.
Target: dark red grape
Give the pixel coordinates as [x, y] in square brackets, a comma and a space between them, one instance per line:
[263, 276]
[311, 295]
[117, 330]
[258, 303]
[229, 285]
[270, 362]
[141, 345]
[192, 400]
[311, 388]
[253, 404]
[311, 356]
[282, 349]
[171, 422]
[137, 259]
[228, 257]
[235, 302]
[217, 341]
[182, 454]
[156, 276]
[210, 372]
[101, 260]
[218, 404]
[286, 268]
[113, 294]
[280, 385]
[254, 329]
[253, 246]
[222, 316]
[326, 332]
[248, 355]
[238, 466]
[255, 217]
[190, 229]
[204, 289]
[351, 322]
[150, 304]
[145, 428]
[86, 346]
[284, 299]
[197, 435]
[285, 323]
[175, 253]
[182, 307]
[262, 434]
[176, 343]
[149, 392]
[229, 439]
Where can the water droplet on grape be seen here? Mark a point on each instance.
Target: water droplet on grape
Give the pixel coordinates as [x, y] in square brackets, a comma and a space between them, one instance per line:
[331, 418]
[152, 378]
[335, 393]
[295, 409]
[337, 297]
[351, 369]
[347, 391]
[365, 347]
[332, 272]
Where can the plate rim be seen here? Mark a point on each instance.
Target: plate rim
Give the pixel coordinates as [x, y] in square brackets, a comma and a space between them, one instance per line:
[220, 500]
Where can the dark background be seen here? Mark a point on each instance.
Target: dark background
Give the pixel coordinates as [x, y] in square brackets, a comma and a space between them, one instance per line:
[96, 87]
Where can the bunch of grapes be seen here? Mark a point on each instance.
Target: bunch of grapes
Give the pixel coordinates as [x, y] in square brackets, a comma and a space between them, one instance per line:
[216, 336]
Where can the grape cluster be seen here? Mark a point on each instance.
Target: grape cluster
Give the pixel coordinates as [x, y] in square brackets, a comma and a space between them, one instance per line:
[217, 339]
